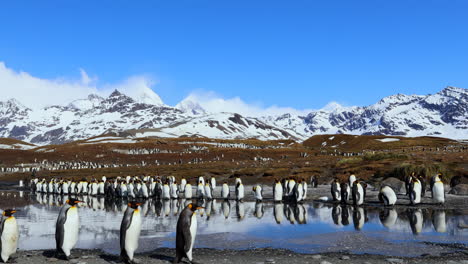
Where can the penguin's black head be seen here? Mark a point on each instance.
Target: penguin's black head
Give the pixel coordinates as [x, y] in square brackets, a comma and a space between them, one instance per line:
[73, 201]
[8, 212]
[194, 207]
[133, 205]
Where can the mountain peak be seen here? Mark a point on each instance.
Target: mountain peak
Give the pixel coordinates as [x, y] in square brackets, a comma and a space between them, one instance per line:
[189, 105]
[115, 93]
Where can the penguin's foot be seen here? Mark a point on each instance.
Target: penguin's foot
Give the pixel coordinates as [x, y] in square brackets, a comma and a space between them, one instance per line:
[12, 260]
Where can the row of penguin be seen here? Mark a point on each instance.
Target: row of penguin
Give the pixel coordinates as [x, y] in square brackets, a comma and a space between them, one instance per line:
[292, 190]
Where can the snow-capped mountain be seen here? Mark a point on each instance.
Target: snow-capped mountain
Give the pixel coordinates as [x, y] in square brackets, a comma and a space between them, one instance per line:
[442, 114]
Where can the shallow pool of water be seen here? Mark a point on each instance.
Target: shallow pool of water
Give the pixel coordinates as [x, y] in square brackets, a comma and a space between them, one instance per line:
[307, 228]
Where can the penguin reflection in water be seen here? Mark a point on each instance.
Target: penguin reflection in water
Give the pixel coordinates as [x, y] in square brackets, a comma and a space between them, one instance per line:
[8, 234]
[130, 232]
[67, 227]
[186, 232]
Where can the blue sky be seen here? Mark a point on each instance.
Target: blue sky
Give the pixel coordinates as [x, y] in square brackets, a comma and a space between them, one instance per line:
[300, 54]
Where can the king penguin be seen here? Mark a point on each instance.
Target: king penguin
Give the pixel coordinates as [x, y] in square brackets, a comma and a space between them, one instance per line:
[239, 191]
[415, 191]
[67, 227]
[186, 232]
[358, 193]
[437, 189]
[225, 191]
[8, 234]
[130, 232]
[277, 191]
[336, 190]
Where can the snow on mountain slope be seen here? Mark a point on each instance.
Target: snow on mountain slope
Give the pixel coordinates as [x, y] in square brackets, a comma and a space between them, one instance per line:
[442, 114]
[227, 126]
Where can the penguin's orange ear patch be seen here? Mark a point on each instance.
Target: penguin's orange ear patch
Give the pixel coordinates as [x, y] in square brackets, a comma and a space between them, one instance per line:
[190, 206]
[67, 201]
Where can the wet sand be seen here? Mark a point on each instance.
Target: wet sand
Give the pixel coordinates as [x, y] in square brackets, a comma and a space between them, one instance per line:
[211, 256]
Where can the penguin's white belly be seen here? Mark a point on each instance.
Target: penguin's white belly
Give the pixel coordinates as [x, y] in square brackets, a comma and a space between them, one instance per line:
[438, 192]
[225, 191]
[70, 230]
[9, 238]
[278, 192]
[166, 192]
[258, 194]
[391, 196]
[240, 192]
[417, 191]
[361, 195]
[133, 234]
[188, 191]
[193, 233]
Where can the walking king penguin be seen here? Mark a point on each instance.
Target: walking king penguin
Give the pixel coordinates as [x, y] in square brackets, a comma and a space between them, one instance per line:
[186, 232]
[67, 227]
[437, 189]
[8, 234]
[130, 232]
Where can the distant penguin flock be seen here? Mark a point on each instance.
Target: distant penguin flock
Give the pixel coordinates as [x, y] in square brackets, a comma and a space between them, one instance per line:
[291, 190]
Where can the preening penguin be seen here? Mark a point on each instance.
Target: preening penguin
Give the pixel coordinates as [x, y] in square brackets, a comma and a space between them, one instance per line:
[387, 196]
[336, 190]
[67, 227]
[186, 232]
[8, 234]
[437, 189]
[130, 232]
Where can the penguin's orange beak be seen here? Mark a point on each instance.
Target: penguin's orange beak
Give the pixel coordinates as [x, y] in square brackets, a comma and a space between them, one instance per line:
[13, 211]
[138, 204]
[77, 202]
[200, 207]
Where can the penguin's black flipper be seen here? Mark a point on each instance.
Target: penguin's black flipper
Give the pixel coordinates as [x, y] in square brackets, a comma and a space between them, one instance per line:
[123, 232]
[59, 228]
[2, 223]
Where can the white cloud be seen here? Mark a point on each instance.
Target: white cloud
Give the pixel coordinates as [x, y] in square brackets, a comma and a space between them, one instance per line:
[214, 103]
[35, 92]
